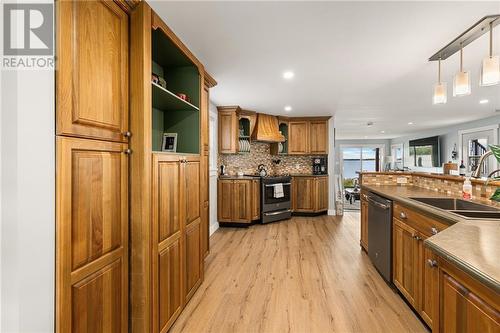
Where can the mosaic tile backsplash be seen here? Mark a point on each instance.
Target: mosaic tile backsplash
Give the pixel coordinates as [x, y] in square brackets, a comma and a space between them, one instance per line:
[260, 154]
[480, 190]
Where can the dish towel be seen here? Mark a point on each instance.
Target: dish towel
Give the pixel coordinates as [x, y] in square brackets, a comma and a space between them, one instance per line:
[278, 190]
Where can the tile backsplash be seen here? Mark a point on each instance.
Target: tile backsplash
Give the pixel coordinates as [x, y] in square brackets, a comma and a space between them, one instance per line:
[260, 154]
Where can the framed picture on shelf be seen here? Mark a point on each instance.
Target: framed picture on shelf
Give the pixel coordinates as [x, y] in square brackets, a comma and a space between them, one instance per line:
[169, 142]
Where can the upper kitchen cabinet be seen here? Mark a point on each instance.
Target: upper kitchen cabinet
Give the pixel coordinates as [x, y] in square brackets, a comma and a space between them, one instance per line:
[308, 136]
[228, 129]
[235, 129]
[93, 70]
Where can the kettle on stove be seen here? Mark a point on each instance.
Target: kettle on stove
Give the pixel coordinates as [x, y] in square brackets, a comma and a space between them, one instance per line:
[262, 170]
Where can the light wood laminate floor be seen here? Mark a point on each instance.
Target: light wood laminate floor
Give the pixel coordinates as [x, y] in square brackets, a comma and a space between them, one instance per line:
[307, 274]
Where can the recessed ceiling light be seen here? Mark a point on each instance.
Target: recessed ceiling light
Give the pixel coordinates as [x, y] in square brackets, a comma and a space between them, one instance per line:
[410, 123]
[370, 123]
[288, 75]
[288, 108]
[483, 101]
[382, 132]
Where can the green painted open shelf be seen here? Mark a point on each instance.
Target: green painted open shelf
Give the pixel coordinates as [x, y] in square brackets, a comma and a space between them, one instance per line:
[166, 100]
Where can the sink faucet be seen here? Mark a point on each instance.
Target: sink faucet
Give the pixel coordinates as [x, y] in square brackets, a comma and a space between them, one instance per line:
[477, 172]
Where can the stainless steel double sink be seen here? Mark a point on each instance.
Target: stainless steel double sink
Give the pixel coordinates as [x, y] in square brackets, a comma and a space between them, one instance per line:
[463, 208]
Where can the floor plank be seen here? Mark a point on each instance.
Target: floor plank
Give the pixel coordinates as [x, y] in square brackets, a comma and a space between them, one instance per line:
[307, 274]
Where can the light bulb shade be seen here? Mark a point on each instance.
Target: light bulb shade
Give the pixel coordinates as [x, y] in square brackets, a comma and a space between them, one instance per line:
[461, 84]
[490, 71]
[439, 93]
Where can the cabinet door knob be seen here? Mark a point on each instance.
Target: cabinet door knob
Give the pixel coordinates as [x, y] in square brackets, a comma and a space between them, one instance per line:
[127, 134]
[416, 237]
[402, 215]
[432, 263]
[127, 151]
[434, 230]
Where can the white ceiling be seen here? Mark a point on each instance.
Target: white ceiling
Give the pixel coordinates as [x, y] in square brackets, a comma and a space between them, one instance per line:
[361, 61]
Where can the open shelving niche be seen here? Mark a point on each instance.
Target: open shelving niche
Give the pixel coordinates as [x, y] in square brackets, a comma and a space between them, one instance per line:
[244, 126]
[172, 114]
[283, 127]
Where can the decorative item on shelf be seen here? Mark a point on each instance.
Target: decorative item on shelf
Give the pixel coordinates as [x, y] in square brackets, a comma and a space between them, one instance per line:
[244, 146]
[490, 69]
[154, 78]
[280, 148]
[242, 131]
[183, 96]
[448, 167]
[162, 82]
[439, 88]
[461, 82]
[169, 142]
[454, 152]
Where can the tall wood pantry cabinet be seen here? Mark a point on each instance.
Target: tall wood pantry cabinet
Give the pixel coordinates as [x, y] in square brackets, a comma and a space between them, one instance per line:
[92, 162]
[169, 190]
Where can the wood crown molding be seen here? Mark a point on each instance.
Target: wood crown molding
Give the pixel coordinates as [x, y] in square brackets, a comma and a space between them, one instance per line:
[209, 80]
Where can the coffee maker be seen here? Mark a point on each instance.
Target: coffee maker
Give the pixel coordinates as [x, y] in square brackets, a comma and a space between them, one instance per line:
[319, 166]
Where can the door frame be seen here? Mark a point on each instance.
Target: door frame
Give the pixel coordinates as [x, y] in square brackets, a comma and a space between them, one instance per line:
[493, 128]
[381, 146]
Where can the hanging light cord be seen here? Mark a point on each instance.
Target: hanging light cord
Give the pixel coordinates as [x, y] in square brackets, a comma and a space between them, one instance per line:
[491, 39]
[461, 58]
[439, 70]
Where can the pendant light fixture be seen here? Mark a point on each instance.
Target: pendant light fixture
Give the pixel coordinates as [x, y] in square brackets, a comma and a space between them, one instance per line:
[461, 83]
[439, 88]
[490, 71]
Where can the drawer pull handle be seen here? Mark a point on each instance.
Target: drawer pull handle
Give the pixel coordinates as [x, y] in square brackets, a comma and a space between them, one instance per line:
[432, 263]
[403, 215]
[416, 237]
[127, 151]
[127, 134]
[434, 230]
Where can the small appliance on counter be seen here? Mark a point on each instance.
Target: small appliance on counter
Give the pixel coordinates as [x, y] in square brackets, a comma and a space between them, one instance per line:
[320, 166]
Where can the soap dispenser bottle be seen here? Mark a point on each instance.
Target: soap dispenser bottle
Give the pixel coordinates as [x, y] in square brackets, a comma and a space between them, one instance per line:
[467, 188]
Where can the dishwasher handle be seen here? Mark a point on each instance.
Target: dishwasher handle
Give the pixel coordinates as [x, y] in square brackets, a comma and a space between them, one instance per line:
[378, 204]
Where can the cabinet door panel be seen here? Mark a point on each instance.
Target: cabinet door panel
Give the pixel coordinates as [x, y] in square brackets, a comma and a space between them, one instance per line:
[192, 187]
[364, 224]
[255, 199]
[225, 200]
[298, 138]
[429, 286]
[303, 194]
[318, 138]
[92, 234]
[97, 301]
[228, 124]
[405, 261]
[242, 201]
[170, 286]
[166, 198]
[463, 311]
[321, 193]
[92, 78]
[193, 258]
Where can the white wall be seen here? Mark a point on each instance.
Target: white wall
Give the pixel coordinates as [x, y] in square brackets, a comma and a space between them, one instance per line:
[27, 200]
[214, 224]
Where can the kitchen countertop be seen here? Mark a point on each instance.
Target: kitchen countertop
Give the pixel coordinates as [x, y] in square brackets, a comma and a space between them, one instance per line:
[254, 177]
[306, 175]
[471, 244]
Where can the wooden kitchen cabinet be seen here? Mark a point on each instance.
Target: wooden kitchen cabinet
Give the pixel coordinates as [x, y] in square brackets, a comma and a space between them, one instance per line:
[238, 200]
[429, 285]
[298, 137]
[228, 130]
[178, 262]
[465, 305]
[318, 137]
[309, 194]
[255, 199]
[91, 235]
[364, 222]
[93, 69]
[406, 261]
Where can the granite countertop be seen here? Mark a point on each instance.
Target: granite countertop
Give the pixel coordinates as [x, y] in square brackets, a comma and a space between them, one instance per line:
[306, 175]
[238, 177]
[471, 244]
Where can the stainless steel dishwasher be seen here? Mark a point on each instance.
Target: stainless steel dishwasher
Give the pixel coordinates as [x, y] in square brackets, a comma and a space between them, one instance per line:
[380, 234]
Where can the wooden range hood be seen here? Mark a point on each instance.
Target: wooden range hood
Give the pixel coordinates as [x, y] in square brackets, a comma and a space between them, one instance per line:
[267, 129]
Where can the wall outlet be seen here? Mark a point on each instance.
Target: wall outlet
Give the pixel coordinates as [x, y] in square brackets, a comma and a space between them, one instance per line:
[402, 180]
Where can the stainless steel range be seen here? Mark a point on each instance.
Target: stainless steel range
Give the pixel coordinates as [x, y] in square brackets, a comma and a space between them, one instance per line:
[276, 196]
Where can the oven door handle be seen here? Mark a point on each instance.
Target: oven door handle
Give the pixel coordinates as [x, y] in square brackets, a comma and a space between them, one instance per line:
[273, 185]
[278, 212]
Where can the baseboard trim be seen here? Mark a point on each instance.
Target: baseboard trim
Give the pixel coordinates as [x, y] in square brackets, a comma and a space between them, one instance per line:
[332, 212]
[214, 227]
